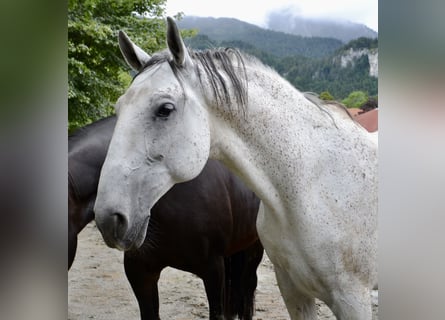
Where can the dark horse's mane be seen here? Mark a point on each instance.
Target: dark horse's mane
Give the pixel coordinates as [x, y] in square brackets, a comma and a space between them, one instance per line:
[214, 63]
[83, 131]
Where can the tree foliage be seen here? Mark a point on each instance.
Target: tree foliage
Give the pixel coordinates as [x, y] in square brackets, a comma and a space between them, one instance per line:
[325, 95]
[97, 74]
[327, 74]
[355, 99]
[362, 42]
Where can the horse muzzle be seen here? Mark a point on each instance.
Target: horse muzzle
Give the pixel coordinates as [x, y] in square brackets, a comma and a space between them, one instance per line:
[119, 233]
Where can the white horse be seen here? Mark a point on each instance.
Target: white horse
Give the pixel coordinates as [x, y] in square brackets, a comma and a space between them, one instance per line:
[314, 169]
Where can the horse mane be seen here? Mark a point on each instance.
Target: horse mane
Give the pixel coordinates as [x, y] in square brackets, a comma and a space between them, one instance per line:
[224, 57]
[213, 65]
[322, 104]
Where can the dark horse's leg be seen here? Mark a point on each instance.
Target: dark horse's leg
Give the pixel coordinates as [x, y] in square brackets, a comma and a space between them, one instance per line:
[72, 246]
[241, 281]
[213, 278]
[144, 283]
[78, 218]
[74, 228]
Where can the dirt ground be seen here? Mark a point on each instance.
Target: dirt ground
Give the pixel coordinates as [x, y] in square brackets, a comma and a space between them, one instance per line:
[98, 289]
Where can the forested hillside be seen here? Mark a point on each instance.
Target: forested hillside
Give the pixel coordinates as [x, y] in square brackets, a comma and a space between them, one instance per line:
[308, 73]
[97, 74]
[279, 44]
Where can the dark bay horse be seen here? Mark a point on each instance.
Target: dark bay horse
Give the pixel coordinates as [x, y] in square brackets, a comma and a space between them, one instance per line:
[205, 226]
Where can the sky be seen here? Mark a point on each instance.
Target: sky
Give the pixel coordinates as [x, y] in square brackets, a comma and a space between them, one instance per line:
[255, 11]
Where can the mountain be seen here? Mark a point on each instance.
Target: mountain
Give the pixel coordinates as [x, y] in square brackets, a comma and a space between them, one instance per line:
[285, 21]
[350, 67]
[277, 43]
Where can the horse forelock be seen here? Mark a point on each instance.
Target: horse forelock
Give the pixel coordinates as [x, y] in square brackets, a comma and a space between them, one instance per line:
[212, 67]
[156, 59]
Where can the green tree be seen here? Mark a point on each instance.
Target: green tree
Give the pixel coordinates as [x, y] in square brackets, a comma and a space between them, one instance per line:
[355, 99]
[325, 95]
[97, 74]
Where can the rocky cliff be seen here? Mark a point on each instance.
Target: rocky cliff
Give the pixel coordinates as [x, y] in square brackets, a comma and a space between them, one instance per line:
[351, 55]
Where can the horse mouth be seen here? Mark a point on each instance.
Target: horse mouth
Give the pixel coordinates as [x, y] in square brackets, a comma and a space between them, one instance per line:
[133, 238]
[128, 245]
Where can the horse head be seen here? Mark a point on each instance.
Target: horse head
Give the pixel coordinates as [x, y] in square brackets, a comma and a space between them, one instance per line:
[161, 137]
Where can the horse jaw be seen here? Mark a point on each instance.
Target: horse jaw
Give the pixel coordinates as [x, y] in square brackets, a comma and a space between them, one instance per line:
[123, 215]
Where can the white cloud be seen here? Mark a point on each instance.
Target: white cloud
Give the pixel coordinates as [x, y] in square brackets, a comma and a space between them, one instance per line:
[255, 11]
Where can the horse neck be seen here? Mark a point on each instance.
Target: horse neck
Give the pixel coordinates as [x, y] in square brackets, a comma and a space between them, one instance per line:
[85, 159]
[270, 147]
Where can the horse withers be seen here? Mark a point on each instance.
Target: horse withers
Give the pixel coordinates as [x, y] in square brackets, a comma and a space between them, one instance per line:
[205, 226]
[314, 169]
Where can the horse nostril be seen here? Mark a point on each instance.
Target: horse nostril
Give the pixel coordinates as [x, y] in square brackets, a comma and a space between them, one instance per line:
[120, 225]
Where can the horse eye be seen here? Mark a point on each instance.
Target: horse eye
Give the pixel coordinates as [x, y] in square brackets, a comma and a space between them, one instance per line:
[165, 110]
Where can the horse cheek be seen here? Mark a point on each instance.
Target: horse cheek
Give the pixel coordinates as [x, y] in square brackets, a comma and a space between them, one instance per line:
[192, 151]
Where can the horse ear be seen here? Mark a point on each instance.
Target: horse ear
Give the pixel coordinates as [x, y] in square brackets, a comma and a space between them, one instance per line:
[176, 45]
[135, 57]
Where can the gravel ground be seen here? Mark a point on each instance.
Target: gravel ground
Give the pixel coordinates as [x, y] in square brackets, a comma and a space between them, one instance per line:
[98, 289]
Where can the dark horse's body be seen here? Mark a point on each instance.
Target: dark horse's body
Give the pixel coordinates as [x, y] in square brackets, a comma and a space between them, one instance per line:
[205, 226]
